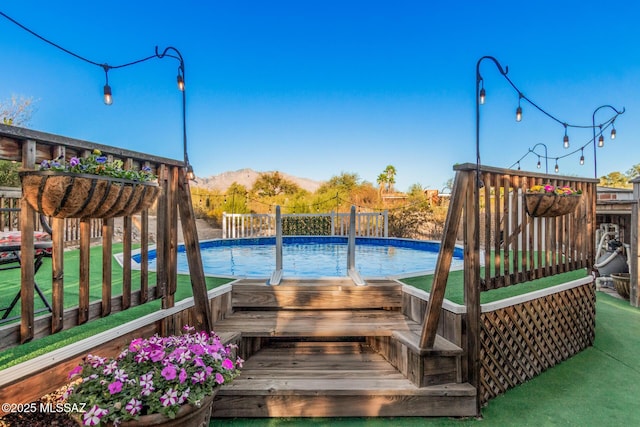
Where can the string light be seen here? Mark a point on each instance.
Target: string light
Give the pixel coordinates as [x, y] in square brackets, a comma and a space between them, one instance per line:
[582, 156]
[108, 99]
[565, 141]
[538, 165]
[518, 164]
[519, 109]
[613, 130]
[557, 169]
[483, 94]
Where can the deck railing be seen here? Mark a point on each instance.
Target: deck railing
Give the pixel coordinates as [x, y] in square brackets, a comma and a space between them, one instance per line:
[30, 148]
[368, 224]
[516, 247]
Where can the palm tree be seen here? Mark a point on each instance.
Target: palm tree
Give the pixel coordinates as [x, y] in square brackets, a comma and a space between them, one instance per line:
[390, 172]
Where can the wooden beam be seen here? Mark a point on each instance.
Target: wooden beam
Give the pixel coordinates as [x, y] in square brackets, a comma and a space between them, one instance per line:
[57, 273]
[432, 316]
[83, 292]
[126, 261]
[203, 317]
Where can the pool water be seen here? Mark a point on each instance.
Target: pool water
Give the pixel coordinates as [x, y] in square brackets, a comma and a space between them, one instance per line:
[315, 257]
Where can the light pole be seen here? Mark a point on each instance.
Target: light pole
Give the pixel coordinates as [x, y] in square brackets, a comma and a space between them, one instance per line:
[181, 85]
[601, 139]
[546, 157]
[480, 98]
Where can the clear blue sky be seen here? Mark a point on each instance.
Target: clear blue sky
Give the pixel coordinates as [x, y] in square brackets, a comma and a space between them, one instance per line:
[316, 88]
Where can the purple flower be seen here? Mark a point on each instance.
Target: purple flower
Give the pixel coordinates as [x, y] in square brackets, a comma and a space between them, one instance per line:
[101, 159]
[93, 416]
[198, 377]
[74, 161]
[184, 396]
[156, 355]
[115, 387]
[45, 164]
[183, 376]
[108, 369]
[135, 345]
[75, 371]
[169, 372]
[120, 375]
[169, 398]
[133, 406]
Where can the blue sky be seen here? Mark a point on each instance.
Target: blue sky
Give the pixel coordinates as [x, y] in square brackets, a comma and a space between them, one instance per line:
[316, 88]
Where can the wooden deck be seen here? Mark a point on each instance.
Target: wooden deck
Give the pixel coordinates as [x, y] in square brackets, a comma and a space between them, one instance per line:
[330, 348]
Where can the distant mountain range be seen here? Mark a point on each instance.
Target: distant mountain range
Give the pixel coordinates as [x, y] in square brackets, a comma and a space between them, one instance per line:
[248, 177]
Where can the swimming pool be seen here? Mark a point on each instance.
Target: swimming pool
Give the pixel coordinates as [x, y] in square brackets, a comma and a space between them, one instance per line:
[314, 256]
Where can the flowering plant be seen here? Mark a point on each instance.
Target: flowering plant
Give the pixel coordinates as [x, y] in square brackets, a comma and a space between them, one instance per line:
[155, 375]
[97, 164]
[561, 191]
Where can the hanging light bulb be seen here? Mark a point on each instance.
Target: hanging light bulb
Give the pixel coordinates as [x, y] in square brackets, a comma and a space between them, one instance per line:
[613, 133]
[565, 140]
[601, 139]
[108, 99]
[483, 95]
[518, 164]
[582, 157]
[180, 82]
[519, 110]
[557, 169]
[539, 165]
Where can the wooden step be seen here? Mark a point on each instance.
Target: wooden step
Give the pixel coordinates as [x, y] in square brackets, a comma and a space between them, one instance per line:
[335, 293]
[317, 323]
[320, 379]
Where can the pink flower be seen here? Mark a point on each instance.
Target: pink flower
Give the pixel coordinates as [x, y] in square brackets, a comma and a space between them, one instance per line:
[115, 387]
[133, 406]
[169, 372]
[198, 377]
[135, 345]
[227, 364]
[75, 371]
[219, 378]
[156, 355]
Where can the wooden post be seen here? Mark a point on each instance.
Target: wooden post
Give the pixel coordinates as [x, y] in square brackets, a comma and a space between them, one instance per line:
[85, 256]
[144, 257]
[126, 262]
[27, 270]
[472, 284]
[204, 320]
[161, 236]
[634, 264]
[173, 235]
[57, 273]
[434, 306]
[107, 245]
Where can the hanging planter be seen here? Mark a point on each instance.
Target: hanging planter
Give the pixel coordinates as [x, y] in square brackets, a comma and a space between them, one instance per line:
[72, 195]
[549, 201]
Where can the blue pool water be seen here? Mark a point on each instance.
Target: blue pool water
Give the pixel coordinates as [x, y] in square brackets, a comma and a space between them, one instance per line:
[314, 256]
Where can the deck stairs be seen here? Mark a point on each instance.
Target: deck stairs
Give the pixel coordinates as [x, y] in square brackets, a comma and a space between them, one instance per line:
[328, 348]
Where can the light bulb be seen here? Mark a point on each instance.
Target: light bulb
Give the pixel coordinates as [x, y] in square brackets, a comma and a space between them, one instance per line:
[557, 169]
[582, 160]
[539, 165]
[565, 141]
[108, 99]
[518, 113]
[601, 141]
[613, 133]
[180, 83]
[483, 95]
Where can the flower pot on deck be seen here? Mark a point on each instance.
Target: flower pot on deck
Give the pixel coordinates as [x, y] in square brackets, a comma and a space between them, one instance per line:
[550, 204]
[188, 415]
[70, 195]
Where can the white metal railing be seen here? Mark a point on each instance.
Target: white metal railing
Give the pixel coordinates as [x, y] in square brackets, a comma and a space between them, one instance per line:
[368, 224]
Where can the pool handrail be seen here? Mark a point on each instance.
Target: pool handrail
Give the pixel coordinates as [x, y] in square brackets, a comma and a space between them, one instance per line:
[351, 251]
[276, 276]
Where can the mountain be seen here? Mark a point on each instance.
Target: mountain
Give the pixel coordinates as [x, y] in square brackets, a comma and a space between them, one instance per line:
[248, 177]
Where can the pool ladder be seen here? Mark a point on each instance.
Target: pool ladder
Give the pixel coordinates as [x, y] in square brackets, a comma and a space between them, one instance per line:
[276, 276]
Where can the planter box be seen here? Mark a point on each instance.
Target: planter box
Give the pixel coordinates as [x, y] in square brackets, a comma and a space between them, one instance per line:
[550, 204]
[69, 195]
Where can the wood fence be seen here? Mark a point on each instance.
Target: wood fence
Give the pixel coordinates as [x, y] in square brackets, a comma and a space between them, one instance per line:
[30, 148]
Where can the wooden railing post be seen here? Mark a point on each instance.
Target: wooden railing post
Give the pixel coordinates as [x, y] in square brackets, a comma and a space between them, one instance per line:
[27, 270]
[443, 264]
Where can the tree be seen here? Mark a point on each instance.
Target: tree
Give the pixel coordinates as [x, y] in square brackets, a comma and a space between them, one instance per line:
[274, 184]
[387, 178]
[17, 111]
[633, 172]
[615, 179]
[235, 200]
